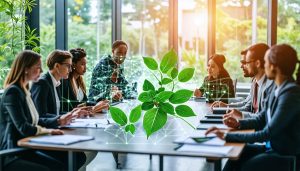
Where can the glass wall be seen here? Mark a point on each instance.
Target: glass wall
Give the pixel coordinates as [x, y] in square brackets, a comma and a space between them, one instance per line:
[238, 25]
[145, 28]
[289, 23]
[89, 27]
[47, 28]
[192, 38]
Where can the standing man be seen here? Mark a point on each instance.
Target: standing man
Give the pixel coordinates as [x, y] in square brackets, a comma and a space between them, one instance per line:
[252, 64]
[108, 80]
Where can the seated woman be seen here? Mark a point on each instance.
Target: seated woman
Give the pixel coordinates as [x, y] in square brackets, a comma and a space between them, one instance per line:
[217, 84]
[74, 90]
[47, 97]
[277, 124]
[45, 92]
[19, 117]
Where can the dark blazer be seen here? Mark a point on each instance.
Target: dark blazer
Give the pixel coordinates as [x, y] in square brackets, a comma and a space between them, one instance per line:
[43, 96]
[283, 129]
[69, 98]
[15, 118]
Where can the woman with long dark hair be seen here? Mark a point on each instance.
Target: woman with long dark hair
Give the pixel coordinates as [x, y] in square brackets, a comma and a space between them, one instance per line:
[74, 90]
[217, 84]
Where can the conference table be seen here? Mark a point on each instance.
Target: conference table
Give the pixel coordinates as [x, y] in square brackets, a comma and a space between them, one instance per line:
[114, 139]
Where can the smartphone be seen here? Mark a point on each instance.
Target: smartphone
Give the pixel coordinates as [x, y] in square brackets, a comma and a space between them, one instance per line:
[201, 139]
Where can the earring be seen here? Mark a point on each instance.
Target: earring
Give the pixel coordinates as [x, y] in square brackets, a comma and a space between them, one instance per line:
[26, 72]
[73, 68]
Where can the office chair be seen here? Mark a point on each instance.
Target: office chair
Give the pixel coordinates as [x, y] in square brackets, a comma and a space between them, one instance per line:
[10, 152]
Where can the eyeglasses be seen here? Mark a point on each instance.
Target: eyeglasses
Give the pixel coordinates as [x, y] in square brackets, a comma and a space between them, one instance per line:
[68, 65]
[246, 62]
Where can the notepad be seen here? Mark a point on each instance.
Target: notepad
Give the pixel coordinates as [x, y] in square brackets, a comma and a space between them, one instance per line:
[219, 150]
[209, 120]
[207, 125]
[89, 123]
[60, 139]
[192, 138]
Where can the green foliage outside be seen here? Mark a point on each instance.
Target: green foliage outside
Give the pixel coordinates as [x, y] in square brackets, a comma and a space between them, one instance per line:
[159, 102]
[15, 33]
[82, 33]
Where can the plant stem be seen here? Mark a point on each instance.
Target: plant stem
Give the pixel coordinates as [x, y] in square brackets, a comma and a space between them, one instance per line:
[155, 76]
[173, 84]
[185, 121]
[161, 77]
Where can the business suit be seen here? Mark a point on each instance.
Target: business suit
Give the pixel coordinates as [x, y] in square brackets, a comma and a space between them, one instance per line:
[43, 96]
[246, 106]
[15, 118]
[15, 124]
[69, 98]
[282, 130]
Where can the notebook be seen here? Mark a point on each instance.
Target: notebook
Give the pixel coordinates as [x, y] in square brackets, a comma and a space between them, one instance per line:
[219, 150]
[211, 120]
[60, 139]
[209, 125]
[89, 123]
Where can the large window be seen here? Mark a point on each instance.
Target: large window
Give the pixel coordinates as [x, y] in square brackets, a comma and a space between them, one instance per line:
[89, 27]
[238, 25]
[47, 28]
[145, 28]
[192, 35]
[289, 23]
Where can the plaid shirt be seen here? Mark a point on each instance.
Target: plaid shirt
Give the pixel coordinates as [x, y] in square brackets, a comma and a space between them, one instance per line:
[216, 89]
[101, 82]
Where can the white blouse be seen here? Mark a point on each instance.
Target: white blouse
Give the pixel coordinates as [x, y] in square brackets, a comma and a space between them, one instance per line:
[35, 115]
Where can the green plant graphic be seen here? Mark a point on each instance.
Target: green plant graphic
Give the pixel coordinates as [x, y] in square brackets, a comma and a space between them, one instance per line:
[159, 102]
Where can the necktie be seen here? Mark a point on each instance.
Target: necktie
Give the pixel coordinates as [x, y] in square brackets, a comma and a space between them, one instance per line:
[255, 101]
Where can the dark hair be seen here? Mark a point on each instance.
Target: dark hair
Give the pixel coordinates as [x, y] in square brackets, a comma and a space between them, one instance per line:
[284, 57]
[244, 52]
[259, 50]
[25, 59]
[118, 43]
[220, 60]
[77, 54]
[57, 56]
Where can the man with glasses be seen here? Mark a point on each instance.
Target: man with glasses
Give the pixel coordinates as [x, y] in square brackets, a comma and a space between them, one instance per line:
[108, 80]
[252, 64]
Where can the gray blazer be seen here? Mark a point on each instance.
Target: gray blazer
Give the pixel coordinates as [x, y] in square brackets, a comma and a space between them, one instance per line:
[246, 106]
[283, 129]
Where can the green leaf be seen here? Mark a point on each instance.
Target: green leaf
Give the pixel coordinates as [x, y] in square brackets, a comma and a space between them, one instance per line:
[167, 107]
[154, 120]
[173, 73]
[166, 81]
[135, 114]
[186, 74]
[118, 115]
[184, 111]
[147, 96]
[150, 63]
[168, 61]
[181, 96]
[160, 89]
[148, 86]
[147, 105]
[163, 96]
[130, 128]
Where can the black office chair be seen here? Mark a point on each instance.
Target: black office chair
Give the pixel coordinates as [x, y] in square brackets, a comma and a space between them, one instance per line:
[286, 163]
[10, 152]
